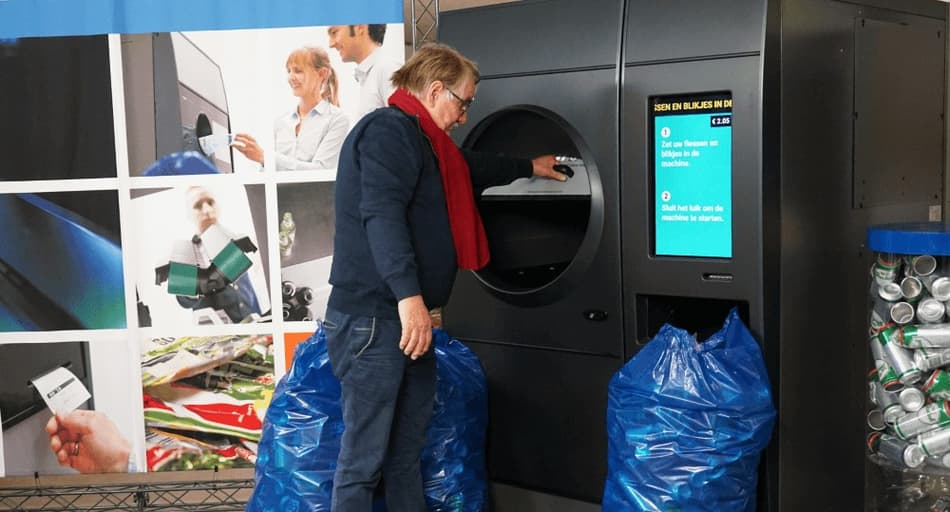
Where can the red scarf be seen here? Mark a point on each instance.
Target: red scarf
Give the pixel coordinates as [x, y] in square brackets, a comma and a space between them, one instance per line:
[468, 233]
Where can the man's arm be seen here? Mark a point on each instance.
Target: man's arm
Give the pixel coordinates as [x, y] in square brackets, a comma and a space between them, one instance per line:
[389, 168]
[490, 170]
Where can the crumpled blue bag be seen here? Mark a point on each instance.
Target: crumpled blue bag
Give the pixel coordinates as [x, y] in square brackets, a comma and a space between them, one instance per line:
[453, 461]
[300, 439]
[686, 423]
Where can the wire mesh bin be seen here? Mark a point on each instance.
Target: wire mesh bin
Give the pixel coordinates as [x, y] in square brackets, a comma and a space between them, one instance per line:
[908, 420]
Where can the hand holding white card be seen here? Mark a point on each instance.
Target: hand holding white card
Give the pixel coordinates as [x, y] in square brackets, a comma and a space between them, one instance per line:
[62, 391]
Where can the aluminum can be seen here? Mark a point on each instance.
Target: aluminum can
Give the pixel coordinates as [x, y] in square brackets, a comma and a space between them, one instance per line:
[901, 359]
[930, 358]
[883, 297]
[888, 402]
[876, 420]
[873, 382]
[927, 418]
[912, 399]
[930, 310]
[896, 450]
[939, 288]
[938, 385]
[902, 313]
[912, 289]
[921, 336]
[935, 442]
[940, 461]
[923, 265]
[885, 268]
[885, 373]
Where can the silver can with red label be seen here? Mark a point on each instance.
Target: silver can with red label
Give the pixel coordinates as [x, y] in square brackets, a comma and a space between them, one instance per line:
[921, 336]
[886, 268]
[901, 359]
[885, 373]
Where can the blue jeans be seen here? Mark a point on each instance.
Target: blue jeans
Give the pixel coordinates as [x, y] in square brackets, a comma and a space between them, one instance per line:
[387, 404]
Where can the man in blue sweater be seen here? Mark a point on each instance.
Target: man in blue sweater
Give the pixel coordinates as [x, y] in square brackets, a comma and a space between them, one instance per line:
[406, 220]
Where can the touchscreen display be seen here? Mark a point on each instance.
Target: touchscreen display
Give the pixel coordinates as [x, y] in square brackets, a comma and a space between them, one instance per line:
[692, 175]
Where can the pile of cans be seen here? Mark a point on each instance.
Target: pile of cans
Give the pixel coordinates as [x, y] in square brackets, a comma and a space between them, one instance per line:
[910, 345]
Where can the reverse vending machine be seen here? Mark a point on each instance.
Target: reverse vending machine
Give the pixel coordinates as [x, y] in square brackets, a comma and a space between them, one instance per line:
[732, 154]
[174, 95]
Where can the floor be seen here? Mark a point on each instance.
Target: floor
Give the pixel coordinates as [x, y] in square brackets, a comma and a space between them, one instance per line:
[506, 498]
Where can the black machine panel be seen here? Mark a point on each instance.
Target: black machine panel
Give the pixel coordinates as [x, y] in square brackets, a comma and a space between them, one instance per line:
[550, 298]
[532, 36]
[561, 450]
[737, 277]
[576, 305]
[678, 29]
[894, 164]
[545, 315]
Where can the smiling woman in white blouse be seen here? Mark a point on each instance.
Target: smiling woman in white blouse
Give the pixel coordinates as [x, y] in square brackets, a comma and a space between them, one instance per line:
[310, 136]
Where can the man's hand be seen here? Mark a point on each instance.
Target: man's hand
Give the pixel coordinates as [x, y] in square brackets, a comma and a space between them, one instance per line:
[88, 442]
[416, 326]
[543, 166]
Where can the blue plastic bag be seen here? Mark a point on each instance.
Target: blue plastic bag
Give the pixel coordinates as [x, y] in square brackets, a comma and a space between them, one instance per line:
[686, 423]
[453, 461]
[300, 439]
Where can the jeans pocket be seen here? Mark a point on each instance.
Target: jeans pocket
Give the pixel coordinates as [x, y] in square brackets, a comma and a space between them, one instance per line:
[369, 331]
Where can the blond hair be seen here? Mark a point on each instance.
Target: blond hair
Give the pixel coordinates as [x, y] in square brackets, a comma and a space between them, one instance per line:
[317, 58]
[434, 61]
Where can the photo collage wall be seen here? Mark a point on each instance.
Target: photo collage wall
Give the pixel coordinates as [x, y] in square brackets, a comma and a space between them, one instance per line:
[167, 237]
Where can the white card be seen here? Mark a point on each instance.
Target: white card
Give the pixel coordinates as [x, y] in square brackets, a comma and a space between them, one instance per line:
[62, 391]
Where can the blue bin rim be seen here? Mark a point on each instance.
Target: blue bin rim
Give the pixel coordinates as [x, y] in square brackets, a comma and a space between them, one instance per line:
[910, 238]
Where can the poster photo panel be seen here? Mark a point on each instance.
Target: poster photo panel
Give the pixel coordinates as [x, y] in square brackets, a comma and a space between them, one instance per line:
[305, 237]
[56, 115]
[61, 261]
[119, 269]
[97, 432]
[204, 400]
[202, 255]
[244, 101]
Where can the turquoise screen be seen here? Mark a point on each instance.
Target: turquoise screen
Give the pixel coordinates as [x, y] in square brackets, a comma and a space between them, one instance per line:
[692, 176]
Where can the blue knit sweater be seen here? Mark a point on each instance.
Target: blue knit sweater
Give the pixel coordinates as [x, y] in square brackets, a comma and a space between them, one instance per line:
[392, 237]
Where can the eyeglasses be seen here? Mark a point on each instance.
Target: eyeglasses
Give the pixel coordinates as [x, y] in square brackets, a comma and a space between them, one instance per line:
[463, 104]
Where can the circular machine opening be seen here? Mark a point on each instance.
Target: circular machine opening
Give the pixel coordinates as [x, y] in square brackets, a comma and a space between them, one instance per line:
[542, 234]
